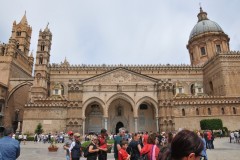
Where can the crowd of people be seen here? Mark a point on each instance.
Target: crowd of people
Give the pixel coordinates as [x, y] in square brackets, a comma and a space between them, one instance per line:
[184, 145]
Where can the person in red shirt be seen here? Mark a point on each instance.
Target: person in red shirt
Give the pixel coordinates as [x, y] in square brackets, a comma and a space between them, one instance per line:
[102, 154]
[122, 153]
[150, 148]
[145, 138]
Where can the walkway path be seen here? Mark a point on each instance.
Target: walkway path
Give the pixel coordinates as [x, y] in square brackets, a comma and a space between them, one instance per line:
[38, 151]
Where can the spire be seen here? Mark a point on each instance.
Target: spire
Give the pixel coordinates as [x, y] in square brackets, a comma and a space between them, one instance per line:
[202, 15]
[46, 29]
[24, 19]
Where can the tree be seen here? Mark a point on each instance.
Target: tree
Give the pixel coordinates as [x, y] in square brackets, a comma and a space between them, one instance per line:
[211, 124]
[39, 129]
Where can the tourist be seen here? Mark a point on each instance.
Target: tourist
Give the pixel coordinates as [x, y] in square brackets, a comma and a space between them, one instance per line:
[67, 144]
[9, 147]
[150, 148]
[134, 147]
[204, 151]
[167, 147]
[102, 155]
[186, 145]
[145, 138]
[122, 153]
[20, 137]
[24, 139]
[117, 142]
[75, 148]
[93, 148]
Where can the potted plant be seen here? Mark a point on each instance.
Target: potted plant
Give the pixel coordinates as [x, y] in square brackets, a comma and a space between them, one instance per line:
[53, 147]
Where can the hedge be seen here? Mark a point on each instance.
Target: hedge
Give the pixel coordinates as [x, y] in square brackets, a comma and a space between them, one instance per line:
[211, 124]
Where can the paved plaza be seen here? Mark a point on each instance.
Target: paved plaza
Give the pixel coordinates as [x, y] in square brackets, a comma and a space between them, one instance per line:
[38, 151]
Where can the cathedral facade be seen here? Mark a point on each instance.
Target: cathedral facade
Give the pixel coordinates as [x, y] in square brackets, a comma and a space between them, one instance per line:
[86, 98]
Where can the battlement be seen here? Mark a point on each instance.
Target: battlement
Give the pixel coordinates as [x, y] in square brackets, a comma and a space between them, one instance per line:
[106, 67]
[204, 99]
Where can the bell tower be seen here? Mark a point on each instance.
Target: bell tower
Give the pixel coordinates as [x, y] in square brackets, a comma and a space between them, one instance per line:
[206, 40]
[41, 73]
[21, 34]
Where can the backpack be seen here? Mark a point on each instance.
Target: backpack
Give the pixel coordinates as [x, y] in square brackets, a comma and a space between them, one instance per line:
[86, 152]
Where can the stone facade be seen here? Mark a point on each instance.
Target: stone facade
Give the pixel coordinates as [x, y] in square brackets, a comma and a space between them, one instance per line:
[86, 98]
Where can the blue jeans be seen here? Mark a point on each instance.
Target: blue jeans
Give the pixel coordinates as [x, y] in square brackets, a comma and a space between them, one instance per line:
[67, 157]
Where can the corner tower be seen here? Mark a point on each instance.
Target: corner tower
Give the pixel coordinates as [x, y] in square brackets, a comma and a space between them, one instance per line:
[206, 40]
[41, 73]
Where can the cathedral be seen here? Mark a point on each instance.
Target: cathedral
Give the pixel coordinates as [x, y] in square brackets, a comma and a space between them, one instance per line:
[86, 98]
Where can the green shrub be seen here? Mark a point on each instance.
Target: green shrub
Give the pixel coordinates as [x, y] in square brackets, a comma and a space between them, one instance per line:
[211, 124]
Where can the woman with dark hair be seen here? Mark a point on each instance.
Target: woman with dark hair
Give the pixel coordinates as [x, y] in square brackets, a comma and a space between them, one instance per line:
[186, 145]
[134, 147]
[150, 148]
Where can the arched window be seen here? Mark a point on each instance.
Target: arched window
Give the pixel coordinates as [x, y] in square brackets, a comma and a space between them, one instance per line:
[62, 90]
[183, 112]
[197, 111]
[41, 59]
[143, 107]
[209, 111]
[18, 33]
[218, 48]
[192, 89]
[42, 47]
[234, 110]
[17, 45]
[223, 112]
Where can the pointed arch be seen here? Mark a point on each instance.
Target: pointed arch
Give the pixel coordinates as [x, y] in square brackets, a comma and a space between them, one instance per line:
[147, 99]
[120, 96]
[92, 100]
[17, 87]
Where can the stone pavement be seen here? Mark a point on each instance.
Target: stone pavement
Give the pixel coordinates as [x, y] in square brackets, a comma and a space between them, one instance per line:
[38, 151]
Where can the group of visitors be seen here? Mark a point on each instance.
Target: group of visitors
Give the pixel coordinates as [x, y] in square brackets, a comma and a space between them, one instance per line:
[235, 136]
[96, 149]
[184, 145]
[47, 138]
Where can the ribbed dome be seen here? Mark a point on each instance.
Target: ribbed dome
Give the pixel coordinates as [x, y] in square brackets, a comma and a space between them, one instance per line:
[205, 26]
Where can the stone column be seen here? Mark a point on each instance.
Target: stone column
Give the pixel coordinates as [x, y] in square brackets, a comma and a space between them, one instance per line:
[136, 124]
[105, 123]
[83, 125]
[157, 124]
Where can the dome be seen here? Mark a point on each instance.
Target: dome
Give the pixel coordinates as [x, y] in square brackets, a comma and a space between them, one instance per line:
[205, 26]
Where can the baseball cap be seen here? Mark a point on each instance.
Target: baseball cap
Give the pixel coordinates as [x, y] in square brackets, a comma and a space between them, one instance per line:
[70, 133]
[77, 135]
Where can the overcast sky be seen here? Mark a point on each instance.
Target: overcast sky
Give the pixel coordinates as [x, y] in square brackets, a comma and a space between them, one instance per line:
[119, 31]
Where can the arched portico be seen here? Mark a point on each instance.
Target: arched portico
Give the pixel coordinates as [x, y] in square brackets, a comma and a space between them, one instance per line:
[16, 100]
[146, 116]
[93, 115]
[120, 111]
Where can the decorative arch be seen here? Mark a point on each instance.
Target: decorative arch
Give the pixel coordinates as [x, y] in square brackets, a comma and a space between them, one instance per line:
[17, 87]
[92, 100]
[144, 99]
[120, 96]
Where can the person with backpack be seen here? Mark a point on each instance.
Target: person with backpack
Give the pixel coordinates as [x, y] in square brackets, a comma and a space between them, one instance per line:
[134, 147]
[75, 148]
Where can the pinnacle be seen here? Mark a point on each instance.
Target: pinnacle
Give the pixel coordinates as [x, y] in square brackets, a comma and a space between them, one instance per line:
[24, 19]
